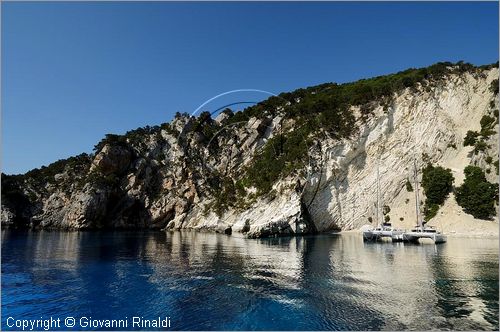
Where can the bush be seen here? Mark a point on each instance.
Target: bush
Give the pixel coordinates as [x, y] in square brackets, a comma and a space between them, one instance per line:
[111, 139]
[281, 155]
[480, 146]
[76, 166]
[437, 183]
[476, 195]
[487, 124]
[494, 87]
[225, 196]
[470, 138]
[409, 187]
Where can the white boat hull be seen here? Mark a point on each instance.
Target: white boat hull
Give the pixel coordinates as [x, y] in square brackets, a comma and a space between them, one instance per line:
[377, 235]
[416, 236]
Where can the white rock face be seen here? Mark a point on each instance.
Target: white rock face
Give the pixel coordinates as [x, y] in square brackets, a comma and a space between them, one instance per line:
[341, 195]
[431, 123]
[280, 216]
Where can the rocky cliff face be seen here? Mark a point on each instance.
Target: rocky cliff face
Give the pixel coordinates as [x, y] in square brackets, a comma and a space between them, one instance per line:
[422, 125]
[194, 172]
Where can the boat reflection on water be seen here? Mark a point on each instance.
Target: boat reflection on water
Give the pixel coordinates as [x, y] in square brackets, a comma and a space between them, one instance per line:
[214, 281]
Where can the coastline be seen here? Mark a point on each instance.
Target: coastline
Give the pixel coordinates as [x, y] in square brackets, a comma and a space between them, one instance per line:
[451, 235]
[480, 229]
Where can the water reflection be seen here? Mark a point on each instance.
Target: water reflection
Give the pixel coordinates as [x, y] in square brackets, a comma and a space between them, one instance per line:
[213, 281]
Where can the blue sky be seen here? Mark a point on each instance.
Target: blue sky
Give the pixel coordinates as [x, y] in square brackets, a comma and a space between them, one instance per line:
[72, 72]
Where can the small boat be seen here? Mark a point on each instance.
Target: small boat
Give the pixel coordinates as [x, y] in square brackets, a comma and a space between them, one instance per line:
[421, 230]
[383, 230]
[424, 233]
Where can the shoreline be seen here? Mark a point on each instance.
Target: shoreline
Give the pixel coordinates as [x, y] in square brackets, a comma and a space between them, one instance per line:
[475, 235]
[454, 234]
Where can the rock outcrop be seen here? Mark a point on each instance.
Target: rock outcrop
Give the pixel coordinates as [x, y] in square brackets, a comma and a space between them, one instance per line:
[176, 176]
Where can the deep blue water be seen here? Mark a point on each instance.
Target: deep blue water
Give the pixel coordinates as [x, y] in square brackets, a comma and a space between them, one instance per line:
[205, 281]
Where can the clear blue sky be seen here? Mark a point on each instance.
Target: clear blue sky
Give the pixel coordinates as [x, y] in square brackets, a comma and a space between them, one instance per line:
[72, 72]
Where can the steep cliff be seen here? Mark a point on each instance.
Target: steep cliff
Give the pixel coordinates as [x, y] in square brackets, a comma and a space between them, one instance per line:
[302, 162]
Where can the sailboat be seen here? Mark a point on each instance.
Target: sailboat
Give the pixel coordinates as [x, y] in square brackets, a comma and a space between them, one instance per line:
[383, 229]
[421, 231]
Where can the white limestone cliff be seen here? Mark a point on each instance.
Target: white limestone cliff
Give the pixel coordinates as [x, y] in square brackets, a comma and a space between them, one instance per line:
[159, 181]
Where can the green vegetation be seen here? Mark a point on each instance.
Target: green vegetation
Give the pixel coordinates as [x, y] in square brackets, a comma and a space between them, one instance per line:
[494, 86]
[11, 187]
[134, 138]
[282, 155]
[76, 166]
[22, 187]
[98, 179]
[487, 124]
[111, 139]
[409, 187]
[480, 146]
[478, 139]
[206, 126]
[470, 138]
[476, 195]
[437, 183]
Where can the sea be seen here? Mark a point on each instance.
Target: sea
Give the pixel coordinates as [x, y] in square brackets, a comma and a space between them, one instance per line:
[187, 280]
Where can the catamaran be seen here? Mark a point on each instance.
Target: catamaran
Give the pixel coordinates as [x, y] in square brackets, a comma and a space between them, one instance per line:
[421, 231]
[383, 229]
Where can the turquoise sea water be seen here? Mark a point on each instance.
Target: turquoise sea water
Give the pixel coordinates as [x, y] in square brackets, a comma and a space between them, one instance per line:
[205, 281]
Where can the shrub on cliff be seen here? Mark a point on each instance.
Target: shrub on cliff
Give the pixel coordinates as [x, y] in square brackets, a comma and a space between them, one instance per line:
[476, 195]
[437, 183]
[111, 139]
[77, 166]
[470, 138]
[282, 155]
[409, 187]
[494, 86]
[487, 124]
[477, 139]
[480, 146]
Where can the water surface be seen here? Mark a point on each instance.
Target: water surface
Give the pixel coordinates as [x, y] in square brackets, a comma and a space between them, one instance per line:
[206, 281]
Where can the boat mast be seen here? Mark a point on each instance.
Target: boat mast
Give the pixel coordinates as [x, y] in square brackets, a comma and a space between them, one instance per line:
[378, 196]
[417, 201]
